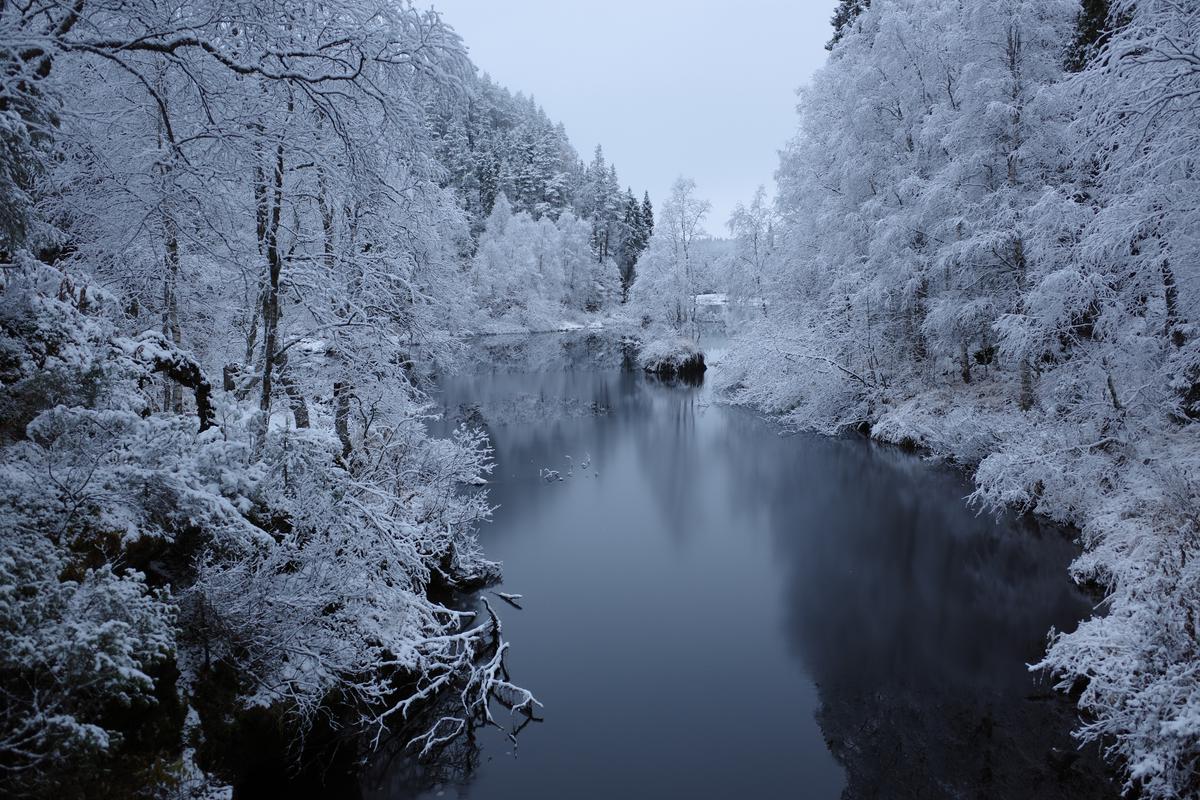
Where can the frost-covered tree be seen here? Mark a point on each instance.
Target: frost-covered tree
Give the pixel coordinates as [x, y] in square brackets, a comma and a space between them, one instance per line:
[911, 194]
[668, 278]
[603, 204]
[754, 230]
[1125, 303]
[491, 141]
[505, 263]
[534, 273]
[589, 285]
[844, 15]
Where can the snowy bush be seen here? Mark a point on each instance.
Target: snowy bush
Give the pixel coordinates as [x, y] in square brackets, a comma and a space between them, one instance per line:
[71, 650]
[672, 356]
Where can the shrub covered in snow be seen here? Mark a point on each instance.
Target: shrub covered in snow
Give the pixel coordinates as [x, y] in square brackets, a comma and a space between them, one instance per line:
[670, 357]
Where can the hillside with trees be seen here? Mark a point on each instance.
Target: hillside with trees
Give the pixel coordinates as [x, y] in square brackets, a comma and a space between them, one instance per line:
[504, 158]
[237, 240]
[987, 249]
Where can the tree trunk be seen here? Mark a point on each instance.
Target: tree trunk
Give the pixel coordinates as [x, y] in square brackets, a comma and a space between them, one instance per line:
[1171, 327]
[1112, 392]
[271, 293]
[295, 397]
[326, 210]
[341, 416]
[181, 368]
[172, 394]
[172, 391]
[1026, 399]
[252, 331]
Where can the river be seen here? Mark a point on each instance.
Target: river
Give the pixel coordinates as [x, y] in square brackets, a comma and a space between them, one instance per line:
[713, 609]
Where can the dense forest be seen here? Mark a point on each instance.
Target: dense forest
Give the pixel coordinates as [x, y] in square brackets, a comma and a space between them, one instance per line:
[986, 246]
[237, 239]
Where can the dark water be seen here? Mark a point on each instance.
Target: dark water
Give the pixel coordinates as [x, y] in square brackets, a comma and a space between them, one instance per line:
[713, 610]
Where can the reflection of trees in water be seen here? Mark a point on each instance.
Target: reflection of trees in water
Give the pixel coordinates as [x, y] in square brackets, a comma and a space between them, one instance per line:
[544, 353]
[535, 392]
[916, 618]
[395, 772]
[537, 379]
[666, 445]
[897, 744]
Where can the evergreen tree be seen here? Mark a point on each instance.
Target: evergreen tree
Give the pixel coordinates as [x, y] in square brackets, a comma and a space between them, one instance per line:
[632, 241]
[492, 141]
[609, 214]
[843, 17]
[592, 190]
[647, 216]
[1092, 31]
[601, 203]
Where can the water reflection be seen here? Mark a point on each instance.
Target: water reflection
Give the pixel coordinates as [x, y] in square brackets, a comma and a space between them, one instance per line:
[714, 610]
[916, 618]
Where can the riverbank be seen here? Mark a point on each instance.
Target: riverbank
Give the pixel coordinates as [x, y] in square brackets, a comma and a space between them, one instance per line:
[1128, 485]
[1134, 500]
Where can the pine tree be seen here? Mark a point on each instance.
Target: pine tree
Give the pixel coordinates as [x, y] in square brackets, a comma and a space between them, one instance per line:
[594, 176]
[843, 17]
[1092, 31]
[601, 203]
[611, 208]
[647, 216]
[495, 141]
[632, 242]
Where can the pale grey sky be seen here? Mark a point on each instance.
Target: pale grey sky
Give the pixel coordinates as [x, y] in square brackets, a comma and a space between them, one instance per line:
[668, 87]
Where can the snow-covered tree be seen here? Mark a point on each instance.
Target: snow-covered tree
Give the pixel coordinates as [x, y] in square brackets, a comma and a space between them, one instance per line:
[844, 15]
[754, 231]
[668, 278]
[533, 273]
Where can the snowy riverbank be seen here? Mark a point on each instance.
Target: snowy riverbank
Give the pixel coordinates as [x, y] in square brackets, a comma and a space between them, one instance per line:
[1132, 493]
[1129, 487]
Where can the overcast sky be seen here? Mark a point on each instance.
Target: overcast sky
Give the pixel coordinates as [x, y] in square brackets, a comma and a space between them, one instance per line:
[668, 87]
